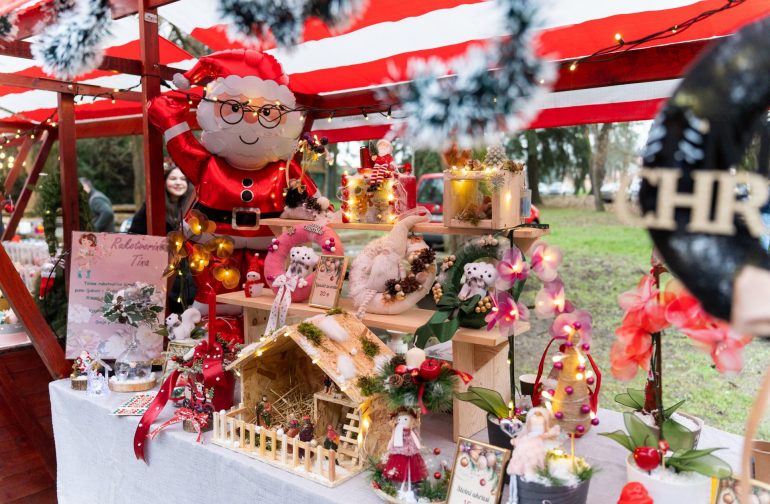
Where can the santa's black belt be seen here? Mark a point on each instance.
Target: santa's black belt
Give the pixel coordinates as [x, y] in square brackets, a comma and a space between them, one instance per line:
[239, 217]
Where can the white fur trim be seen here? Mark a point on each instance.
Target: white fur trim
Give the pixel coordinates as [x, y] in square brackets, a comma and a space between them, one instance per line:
[175, 131]
[253, 87]
[180, 81]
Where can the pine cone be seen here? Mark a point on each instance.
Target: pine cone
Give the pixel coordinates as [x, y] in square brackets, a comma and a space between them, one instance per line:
[496, 157]
[409, 285]
[418, 265]
[396, 381]
[428, 255]
[390, 286]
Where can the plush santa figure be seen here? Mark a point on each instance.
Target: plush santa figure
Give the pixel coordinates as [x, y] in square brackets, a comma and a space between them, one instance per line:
[383, 163]
[240, 165]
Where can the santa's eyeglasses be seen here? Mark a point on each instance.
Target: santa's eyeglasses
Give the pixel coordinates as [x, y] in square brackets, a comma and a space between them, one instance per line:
[268, 115]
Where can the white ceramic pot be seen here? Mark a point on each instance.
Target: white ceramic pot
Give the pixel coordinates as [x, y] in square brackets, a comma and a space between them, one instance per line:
[692, 488]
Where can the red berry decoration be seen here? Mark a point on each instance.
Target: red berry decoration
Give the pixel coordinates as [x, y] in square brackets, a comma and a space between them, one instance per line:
[647, 458]
[663, 445]
[437, 475]
[401, 369]
[482, 482]
[436, 451]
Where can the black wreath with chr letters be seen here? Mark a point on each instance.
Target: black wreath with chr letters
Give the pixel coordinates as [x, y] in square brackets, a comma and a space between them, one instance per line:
[708, 124]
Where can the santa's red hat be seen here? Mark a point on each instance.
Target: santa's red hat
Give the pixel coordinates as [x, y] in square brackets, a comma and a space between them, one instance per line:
[254, 263]
[238, 62]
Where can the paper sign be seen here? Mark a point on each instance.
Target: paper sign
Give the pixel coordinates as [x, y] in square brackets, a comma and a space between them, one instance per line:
[112, 261]
[475, 481]
[135, 406]
[327, 283]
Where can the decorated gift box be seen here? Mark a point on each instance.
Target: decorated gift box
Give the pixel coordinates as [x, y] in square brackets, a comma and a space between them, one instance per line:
[482, 194]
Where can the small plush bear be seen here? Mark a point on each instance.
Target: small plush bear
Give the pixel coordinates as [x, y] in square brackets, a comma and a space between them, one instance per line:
[478, 278]
[302, 261]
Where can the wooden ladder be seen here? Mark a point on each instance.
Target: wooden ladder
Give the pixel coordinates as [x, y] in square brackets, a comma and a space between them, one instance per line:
[348, 446]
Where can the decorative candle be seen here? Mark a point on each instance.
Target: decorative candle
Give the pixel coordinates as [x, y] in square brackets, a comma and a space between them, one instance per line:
[414, 357]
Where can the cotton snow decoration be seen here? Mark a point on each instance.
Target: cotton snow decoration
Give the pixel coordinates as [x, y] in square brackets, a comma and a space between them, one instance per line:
[75, 44]
[330, 327]
[346, 367]
[476, 103]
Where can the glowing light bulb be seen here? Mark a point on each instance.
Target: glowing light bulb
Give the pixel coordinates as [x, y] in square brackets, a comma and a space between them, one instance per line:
[573, 66]
[259, 353]
[579, 376]
[618, 37]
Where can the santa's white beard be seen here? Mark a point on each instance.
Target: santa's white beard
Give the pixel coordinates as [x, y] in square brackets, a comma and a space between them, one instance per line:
[225, 140]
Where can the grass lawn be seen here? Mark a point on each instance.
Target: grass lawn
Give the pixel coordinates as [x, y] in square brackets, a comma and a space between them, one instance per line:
[602, 259]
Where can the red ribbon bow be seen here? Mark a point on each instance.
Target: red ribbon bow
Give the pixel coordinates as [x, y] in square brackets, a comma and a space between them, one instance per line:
[199, 421]
[430, 370]
[214, 377]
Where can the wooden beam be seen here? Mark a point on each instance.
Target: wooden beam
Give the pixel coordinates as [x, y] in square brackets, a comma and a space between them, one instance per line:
[119, 126]
[33, 174]
[68, 172]
[9, 79]
[43, 339]
[153, 138]
[18, 164]
[123, 8]
[21, 49]
[33, 431]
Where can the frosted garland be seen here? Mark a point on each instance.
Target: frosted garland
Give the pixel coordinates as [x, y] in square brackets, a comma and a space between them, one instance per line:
[75, 45]
[478, 102]
[285, 19]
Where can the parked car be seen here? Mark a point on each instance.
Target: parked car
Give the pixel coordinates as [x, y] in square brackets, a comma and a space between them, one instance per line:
[430, 194]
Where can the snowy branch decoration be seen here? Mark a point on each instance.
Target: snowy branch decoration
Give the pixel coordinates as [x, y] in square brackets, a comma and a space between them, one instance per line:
[285, 19]
[74, 45]
[479, 102]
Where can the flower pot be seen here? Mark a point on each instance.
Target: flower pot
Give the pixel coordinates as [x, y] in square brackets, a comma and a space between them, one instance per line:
[497, 436]
[668, 487]
[530, 492]
[761, 460]
[527, 384]
[699, 422]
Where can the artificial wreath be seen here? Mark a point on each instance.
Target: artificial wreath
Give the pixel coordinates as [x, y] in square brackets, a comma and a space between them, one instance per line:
[465, 288]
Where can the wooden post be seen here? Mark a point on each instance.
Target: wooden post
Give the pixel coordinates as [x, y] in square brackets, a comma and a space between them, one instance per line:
[231, 421]
[153, 138]
[242, 427]
[29, 184]
[215, 419]
[294, 453]
[308, 456]
[273, 445]
[262, 442]
[24, 306]
[332, 465]
[18, 164]
[68, 169]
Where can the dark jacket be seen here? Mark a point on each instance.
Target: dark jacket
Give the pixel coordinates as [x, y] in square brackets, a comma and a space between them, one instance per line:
[102, 215]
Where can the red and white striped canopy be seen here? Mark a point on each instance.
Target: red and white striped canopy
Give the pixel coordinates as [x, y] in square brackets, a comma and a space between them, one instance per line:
[376, 50]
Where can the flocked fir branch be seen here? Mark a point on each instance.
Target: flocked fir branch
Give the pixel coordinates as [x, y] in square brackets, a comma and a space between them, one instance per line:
[75, 44]
[285, 19]
[478, 102]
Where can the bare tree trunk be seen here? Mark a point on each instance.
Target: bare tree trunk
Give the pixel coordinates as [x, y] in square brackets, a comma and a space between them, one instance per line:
[533, 166]
[137, 163]
[598, 162]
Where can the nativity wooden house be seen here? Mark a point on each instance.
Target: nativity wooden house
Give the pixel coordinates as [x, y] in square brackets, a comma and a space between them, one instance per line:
[309, 369]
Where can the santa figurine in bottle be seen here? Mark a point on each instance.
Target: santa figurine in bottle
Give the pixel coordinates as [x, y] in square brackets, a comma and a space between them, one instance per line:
[383, 163]
[241, 165]
[253, 287]
[405, 465]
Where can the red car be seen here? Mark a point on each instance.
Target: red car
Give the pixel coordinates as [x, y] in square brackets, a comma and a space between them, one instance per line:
[430, 194]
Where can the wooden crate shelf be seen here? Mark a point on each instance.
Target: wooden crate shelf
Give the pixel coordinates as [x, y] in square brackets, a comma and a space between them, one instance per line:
[523, 237]
[408, 321]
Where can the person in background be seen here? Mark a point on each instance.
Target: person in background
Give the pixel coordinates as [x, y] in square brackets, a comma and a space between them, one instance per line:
[179, 196]
[102, 216]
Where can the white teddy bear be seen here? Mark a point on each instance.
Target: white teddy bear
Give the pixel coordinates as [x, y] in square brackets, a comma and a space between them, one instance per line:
[180, 328]
[478, 278]
[302, 261]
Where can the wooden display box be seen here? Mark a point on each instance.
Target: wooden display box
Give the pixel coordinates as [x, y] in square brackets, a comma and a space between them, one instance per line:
[470, 191]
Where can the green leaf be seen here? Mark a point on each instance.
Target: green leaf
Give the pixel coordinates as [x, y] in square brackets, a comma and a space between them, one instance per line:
[678, 436]
[688, 454]
[707, 465]
[621, 438]
[641, 434]
[637, 395]
[670, 411]
[628, 399]
[488, 400]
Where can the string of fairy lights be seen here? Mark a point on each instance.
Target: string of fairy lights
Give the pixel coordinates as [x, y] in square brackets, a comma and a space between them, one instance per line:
[270, 114]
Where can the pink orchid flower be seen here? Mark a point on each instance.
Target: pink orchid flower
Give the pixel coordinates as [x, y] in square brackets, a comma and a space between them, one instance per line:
[647, 305]
[724, 345]
[631, 351]
[551, 301]
[578, 323]
[505, 311]
[512, 267]
[545, 261]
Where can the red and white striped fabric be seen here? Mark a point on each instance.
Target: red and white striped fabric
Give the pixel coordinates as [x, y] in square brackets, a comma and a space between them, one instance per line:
[376, 51]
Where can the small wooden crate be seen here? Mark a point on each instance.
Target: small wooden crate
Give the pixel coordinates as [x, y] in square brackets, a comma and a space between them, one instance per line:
[462, 187]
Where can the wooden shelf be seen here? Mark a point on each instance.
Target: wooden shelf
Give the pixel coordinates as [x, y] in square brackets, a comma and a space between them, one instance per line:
[525, 236]
[408, 321]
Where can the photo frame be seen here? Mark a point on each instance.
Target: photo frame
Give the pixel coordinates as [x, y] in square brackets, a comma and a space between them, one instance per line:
[177, 349]
[327, 282]
[475, 482]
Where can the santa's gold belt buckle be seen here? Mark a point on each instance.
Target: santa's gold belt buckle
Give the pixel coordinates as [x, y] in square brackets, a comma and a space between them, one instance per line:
[245, 218]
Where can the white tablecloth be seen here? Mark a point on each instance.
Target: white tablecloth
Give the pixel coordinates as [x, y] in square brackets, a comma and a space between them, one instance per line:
[96, 461]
